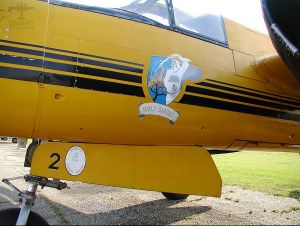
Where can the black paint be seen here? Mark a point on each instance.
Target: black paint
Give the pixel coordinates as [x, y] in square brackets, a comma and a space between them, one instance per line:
[235, 97]
[272, 94]
[224, 105]
[111, 87]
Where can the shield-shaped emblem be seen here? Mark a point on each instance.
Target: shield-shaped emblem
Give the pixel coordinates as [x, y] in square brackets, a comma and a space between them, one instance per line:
[167, 75]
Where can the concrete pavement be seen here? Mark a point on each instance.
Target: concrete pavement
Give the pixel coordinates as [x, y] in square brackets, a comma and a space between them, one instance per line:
[86, 204]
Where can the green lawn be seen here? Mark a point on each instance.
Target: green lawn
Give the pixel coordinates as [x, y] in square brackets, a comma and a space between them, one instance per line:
[275, 173]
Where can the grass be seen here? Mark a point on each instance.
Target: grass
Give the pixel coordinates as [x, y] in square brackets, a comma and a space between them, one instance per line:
[272, 172]
[291, 209]
[57, 210]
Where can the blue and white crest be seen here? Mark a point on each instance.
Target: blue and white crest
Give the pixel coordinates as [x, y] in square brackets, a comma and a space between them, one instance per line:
[167, 75]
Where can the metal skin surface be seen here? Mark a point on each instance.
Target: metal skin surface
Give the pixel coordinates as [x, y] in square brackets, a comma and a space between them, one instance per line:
[79, 76]
[183, 170]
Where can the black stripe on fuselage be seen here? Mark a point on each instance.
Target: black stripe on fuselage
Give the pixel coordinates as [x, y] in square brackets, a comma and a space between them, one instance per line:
[98, 85]
[61, 57]
[247, 93]
[21, 43]
[25, 61]
[71, 59]
[93, 84]
[109, 74]
[37, 53]
[19, 74]
[21, 60]
[234, 97]
[72, 52]
[21, 50]
[272, 94]
[110, 65]
[92, 71]
[70, 81]
[36, 76]
[224, 105]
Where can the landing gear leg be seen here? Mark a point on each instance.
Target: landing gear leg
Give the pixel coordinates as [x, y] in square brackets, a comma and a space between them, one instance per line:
[23, 216]
[28, 199]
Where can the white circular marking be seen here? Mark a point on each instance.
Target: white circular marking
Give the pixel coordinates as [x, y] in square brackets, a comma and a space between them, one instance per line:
[75, 160]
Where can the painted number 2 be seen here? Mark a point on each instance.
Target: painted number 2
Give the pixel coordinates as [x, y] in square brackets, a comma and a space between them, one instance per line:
[56, 158]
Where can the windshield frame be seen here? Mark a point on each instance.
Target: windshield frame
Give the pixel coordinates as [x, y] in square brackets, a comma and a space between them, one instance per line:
[115, 12]
[119, 13]
[195, 34]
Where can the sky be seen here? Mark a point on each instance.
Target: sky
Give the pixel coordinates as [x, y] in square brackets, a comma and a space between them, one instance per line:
[246, 12]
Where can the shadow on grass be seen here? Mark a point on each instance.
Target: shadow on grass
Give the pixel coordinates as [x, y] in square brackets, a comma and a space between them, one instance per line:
[295, 194]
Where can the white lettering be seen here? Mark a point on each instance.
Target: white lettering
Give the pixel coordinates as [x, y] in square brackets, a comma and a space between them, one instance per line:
[159, 110]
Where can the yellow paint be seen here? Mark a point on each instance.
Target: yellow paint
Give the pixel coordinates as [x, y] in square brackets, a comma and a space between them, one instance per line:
[29, 23]
[5, 15]
[71, 114]
[273, 64]
[17, 112]
[184, 170]
[242, 62]
[121, 149]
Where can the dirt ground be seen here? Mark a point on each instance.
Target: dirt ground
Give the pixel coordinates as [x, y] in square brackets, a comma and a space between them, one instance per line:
[85, 204]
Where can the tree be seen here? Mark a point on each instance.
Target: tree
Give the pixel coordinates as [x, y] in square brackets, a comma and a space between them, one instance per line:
[157, 87]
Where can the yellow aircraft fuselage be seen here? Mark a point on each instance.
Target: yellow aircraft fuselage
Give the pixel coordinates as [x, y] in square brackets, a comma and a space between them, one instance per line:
[75, 75]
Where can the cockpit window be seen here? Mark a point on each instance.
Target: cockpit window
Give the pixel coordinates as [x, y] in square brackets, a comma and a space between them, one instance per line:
[196, 18]
[156, 10]
[200, 17]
